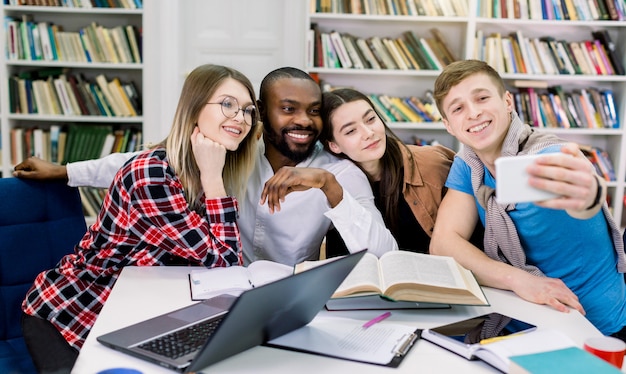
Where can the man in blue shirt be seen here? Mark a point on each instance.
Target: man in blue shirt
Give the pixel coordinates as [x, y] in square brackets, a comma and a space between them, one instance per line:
[566, 252]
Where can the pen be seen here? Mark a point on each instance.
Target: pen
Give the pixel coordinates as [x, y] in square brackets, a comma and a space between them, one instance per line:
[376, 319]
[498, 338]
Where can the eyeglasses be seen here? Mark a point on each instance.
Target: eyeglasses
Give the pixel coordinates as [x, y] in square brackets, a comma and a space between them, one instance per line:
[230, 109]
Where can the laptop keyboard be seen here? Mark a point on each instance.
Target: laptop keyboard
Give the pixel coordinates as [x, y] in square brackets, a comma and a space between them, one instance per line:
[182, 342]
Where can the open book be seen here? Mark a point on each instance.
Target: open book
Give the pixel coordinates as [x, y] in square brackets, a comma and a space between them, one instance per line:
[409, 276]
[206, 283]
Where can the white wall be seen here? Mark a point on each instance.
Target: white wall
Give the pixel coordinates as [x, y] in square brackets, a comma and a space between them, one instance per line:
[253, 36]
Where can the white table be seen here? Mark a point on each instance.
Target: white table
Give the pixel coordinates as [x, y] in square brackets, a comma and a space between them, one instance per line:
[144, 292]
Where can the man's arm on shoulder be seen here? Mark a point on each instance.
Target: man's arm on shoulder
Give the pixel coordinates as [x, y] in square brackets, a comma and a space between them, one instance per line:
[456, 220]
[97, 173]
[93, 173]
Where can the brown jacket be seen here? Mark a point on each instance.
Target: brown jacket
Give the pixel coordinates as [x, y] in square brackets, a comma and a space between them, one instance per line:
[424, 180]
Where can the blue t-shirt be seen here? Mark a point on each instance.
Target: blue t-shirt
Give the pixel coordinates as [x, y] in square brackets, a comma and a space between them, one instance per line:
[579, 252]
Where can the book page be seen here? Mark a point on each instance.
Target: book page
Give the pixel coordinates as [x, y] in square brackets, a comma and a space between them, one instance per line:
[363, 278]
[410, 267]
[263, 271]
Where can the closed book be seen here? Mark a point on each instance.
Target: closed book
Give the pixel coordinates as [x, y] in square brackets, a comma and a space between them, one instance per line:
[395, 53]
[358, 62]
[607, 96]
[570, 360]
[412, 45]
[408, 55]
[103, 84]
[449, 56]
[554, 54]
[562, 102]
[568, 57]
[583, 65]
[340, 49]
[385, 54]
[430, 54]
[368, 54]
[134, 40]
[376, 53]
[605, 38]
[604, 58]
[612, 9]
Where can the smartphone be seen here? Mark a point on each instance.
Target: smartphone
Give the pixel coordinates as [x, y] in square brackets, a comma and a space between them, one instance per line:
[512, 181]
[462, 337]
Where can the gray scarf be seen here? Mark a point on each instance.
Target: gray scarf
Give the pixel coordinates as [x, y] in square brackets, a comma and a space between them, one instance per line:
[501, 241]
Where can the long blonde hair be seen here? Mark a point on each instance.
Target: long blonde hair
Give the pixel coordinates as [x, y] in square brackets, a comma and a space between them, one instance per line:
[199, 87]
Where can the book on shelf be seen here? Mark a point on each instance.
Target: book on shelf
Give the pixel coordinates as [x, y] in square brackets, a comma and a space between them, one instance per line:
[88, 206]
[412, 44]
[372, 61]
[602, 112]
[430, 54]
[554, 54]
[447, 54]
[381, 109]
[207, 283]
[543, 52]
[382, 51]
[378, 57]
[587, 108]
[510, 62]
[545, 106]
[593, 57]
[134, 40]
[395, 54]
[358, 60]
[331, 60]
[409, 276]
[402, 46]
[604, 37]
[566, 58]
[120, 41]
[340, 49]
[571, 360]
[103, 85]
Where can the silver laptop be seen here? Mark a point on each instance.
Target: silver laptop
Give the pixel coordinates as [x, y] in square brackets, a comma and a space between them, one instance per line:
[192, 338]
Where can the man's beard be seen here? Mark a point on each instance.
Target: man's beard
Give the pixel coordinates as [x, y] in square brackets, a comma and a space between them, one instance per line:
[279, 141]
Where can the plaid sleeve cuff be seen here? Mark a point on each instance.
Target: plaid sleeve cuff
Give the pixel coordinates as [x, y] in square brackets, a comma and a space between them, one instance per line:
[224, 209]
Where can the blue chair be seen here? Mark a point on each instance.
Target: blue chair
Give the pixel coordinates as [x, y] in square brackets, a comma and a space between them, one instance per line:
[40, 222]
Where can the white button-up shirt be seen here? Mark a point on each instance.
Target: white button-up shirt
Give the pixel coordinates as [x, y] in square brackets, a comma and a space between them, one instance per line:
[294, 233]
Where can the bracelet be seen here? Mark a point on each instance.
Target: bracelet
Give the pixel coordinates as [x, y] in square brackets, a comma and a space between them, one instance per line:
[596, 201]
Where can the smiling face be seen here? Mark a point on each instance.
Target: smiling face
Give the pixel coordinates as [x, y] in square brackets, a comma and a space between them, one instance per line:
[214, 125]
[478, 115]
[359, 133]
[291, 117]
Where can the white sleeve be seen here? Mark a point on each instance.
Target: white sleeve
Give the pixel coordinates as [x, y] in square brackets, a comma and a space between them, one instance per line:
[96, 173]
[356, 217]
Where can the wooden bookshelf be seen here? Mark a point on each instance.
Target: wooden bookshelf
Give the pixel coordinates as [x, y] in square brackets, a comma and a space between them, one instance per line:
[465, 35]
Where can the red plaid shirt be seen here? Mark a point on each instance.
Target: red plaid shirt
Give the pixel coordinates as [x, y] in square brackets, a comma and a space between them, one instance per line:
[144, 221]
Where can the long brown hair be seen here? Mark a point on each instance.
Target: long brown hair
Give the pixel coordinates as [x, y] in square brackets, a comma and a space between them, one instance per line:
[198, 88]
[392, 167]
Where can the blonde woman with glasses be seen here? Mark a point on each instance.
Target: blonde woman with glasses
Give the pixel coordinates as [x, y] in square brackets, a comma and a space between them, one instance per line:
[173, 204]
